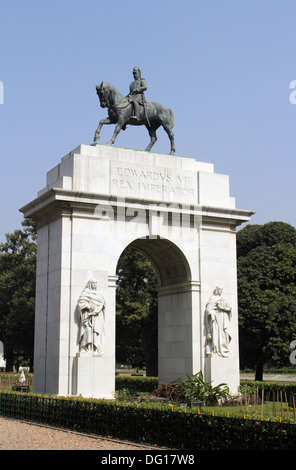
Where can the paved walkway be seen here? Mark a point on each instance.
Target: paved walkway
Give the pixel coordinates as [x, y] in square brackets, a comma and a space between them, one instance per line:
[22, 435]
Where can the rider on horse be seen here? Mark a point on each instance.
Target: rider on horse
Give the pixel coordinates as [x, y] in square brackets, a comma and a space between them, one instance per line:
[152, 115]
[136, 94]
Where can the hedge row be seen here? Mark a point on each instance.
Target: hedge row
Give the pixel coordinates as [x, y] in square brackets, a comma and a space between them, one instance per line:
[138, 383]
[269, 387]
[150, 424]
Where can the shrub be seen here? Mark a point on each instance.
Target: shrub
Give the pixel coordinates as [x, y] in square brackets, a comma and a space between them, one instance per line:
[136, 383]
[161, 425]
[197, 389]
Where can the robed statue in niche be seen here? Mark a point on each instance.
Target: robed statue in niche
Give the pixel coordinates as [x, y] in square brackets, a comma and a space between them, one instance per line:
[218, 317]
[133, 109]
[91, 307]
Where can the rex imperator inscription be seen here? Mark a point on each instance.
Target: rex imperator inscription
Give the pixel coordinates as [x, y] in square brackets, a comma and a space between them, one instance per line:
[153, 183]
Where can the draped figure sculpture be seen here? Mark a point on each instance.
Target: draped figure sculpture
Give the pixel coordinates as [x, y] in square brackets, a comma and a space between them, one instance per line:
[91, 306]
[218, 316]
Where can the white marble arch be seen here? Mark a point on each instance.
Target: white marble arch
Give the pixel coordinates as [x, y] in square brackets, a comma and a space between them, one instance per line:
[97, 201]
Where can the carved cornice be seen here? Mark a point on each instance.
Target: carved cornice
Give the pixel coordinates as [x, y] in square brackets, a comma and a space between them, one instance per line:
[56, 200]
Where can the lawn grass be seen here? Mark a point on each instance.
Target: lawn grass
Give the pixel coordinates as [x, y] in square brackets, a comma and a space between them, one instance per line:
[269, 409]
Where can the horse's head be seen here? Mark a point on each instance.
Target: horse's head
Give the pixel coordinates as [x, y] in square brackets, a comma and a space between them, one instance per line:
[103, 95]
[108, 95]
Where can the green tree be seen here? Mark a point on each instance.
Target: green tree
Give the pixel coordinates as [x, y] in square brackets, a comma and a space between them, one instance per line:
[266, 262]
[17, 293]
[136, 312]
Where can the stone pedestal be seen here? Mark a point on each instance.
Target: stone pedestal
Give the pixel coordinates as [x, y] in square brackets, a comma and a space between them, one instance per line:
[95, 378]
[99, 200]
[218, 370]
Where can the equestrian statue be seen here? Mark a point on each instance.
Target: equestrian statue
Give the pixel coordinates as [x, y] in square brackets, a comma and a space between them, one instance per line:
[133, 109]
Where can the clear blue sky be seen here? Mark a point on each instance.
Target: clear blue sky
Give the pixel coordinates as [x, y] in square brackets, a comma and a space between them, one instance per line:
[223, 66]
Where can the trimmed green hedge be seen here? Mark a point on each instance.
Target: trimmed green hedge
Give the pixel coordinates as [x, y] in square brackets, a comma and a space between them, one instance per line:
[269, 387]
[150, 424]
[139, 383]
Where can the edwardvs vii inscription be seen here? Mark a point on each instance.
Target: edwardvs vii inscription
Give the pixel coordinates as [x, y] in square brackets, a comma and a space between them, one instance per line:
[167, 184]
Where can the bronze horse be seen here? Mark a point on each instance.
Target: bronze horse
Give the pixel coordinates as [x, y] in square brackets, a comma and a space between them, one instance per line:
[120, 110]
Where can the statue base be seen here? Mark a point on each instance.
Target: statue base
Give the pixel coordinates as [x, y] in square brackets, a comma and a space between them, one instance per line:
[93, 377]
[221, 370]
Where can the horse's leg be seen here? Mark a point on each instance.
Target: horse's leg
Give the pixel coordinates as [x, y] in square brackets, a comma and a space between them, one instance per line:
[101, 123]
[171, 137]
[118, 128]
[153, 138]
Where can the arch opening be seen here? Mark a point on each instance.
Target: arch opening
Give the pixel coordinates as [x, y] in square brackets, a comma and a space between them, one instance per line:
[163, 333]
[169, 262]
